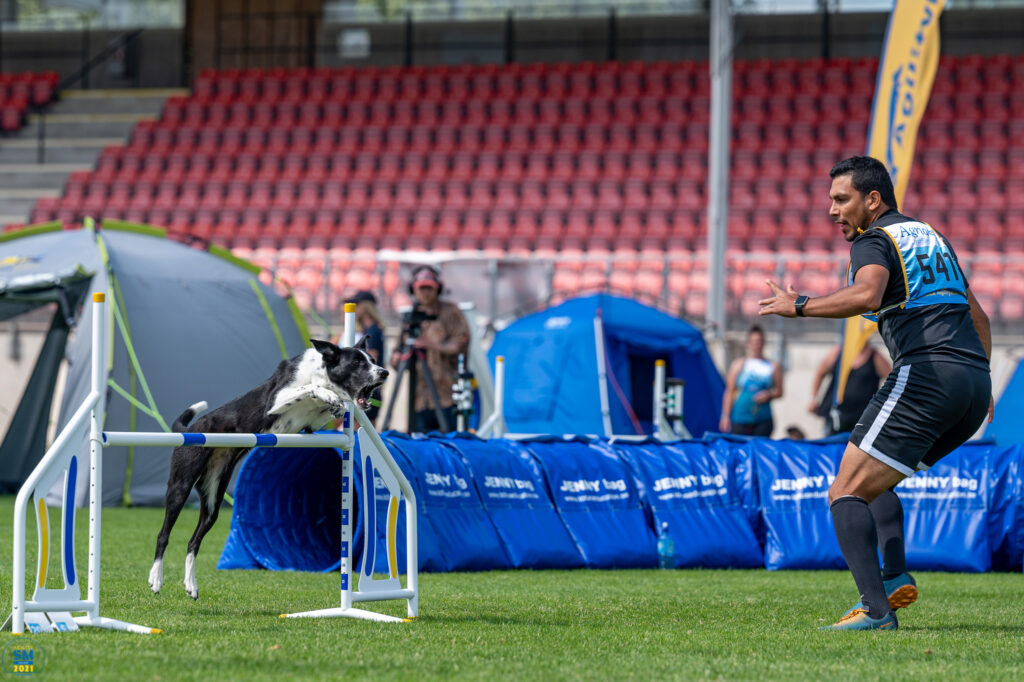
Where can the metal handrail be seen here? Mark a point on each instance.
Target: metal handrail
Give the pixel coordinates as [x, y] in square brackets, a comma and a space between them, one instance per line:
[81, 72]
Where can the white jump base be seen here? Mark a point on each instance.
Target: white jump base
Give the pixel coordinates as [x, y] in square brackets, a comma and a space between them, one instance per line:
[50, 610]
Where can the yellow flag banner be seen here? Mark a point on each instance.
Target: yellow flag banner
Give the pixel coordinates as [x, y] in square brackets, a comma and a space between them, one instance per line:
[906, 71]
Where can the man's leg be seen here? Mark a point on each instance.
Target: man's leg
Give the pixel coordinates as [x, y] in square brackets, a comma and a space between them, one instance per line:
[861, 479]
[888, 514]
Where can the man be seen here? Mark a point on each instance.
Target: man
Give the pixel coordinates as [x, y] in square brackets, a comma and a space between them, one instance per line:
[866, 374]
[752, 383]
[904, 274]
[442, 337]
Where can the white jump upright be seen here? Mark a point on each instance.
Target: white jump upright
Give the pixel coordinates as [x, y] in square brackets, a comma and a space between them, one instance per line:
[494, 425]
[50, 609]
[668, 405]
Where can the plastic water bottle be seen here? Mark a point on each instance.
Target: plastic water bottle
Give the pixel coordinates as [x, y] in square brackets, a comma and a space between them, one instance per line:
[666, 548]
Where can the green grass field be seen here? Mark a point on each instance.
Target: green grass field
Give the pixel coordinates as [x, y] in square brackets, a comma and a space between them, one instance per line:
[548, 625]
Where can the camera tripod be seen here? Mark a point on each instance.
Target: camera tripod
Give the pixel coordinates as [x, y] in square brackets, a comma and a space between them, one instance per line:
[410, 357]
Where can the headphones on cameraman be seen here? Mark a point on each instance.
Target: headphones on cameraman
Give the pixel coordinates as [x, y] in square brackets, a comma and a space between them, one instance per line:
[434, 271]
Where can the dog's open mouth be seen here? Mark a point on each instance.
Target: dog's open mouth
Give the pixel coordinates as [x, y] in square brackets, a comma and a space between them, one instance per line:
[363, 397]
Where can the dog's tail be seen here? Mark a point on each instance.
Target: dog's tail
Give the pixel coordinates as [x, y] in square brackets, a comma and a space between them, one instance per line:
[188, 415]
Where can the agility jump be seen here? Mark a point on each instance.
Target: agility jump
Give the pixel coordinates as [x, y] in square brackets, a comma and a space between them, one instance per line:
[50, 609]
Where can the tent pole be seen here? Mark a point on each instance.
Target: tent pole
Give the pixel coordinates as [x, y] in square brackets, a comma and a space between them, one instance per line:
[602, 374]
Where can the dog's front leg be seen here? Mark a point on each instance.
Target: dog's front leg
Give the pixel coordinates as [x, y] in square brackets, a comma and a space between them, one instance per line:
[288, 397]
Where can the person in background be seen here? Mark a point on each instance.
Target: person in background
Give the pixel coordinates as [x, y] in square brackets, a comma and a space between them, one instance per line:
[752, 383]
[370, 324]
[443, 335]
[867, 372]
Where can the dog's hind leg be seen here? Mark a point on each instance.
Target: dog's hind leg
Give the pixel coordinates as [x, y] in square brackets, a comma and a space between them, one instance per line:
[211, 488]
[186, 465]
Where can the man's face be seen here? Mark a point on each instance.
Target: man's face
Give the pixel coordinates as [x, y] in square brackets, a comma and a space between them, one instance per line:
[849, 208]
[425, 293]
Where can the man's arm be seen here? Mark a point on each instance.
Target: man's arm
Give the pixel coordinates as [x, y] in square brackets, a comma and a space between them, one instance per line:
[882, 366]
[863, 296]
[981, 323]
[826, 367]
[725, 421]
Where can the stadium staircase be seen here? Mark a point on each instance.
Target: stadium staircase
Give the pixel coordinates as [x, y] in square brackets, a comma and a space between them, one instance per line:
[76, 129]
[302, 168]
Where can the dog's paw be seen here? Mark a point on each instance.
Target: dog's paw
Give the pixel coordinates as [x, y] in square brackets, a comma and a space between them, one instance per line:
[156, 576]
[337, 409]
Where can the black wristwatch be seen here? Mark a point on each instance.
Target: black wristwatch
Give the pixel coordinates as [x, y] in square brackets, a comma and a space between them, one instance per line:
[799, 304]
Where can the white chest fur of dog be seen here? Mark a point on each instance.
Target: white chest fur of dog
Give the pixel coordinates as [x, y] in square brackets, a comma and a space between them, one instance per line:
[309, 400]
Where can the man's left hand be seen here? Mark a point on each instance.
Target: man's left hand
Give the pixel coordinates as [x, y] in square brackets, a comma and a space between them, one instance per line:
[779, 304]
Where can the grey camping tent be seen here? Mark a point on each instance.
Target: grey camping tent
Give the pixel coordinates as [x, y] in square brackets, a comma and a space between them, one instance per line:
[188, 324]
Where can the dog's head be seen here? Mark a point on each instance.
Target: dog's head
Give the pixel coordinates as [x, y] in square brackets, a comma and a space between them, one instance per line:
[351, 370]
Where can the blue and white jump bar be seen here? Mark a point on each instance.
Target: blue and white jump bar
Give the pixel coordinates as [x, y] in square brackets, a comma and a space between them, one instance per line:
[50, 609]
[229, 440]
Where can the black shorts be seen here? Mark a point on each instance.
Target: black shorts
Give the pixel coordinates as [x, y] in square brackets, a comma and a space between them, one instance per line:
[922, 413]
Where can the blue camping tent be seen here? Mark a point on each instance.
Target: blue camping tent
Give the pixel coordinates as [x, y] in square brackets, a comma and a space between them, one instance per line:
[1007, 427]
[552, 380]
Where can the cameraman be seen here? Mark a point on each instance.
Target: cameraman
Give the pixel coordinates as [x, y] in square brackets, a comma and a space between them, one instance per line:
[440, 333]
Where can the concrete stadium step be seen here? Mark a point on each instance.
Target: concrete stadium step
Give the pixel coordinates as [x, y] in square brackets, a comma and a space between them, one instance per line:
[150, 101]
[54, 151]
[84, 125]
[76, 130]
[37, 176]
[16, 203]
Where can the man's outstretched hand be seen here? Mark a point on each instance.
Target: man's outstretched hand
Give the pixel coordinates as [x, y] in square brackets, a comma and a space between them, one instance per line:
[781, 303]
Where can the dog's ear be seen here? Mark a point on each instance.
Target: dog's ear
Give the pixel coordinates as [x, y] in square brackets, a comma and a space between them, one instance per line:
[361, 344]
[326, 349]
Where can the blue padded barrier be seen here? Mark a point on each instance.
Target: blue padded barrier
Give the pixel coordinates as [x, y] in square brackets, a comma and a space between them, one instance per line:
[449, 504]
[515, 495]
[792, 481]
[597, 499]
[1006, 508]
[693, 488]
[966, 514]
[946, 513]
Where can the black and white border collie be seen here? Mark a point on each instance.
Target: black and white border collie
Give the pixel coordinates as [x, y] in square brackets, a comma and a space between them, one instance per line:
[304, 394]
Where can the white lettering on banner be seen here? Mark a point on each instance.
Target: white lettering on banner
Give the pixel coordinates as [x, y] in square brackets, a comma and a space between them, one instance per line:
[445, 480]
[583, 486]
[580, 486]
[607, 497]
[801, 483]
[507, 482]
[685, 482]
[926, 482]
[437, 479]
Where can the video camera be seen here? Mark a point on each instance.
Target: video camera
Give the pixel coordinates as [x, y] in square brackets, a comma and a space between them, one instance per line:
[413, 320]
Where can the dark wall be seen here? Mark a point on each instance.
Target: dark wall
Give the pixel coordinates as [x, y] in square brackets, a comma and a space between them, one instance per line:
[267, 33]
[152, 60]
[672, 37]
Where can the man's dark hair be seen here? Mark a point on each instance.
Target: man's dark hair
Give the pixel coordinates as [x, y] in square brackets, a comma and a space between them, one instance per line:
[755, 329]
[867, 175]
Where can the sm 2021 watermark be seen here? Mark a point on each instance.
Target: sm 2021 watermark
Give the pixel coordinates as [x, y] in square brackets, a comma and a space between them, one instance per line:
[22, 657]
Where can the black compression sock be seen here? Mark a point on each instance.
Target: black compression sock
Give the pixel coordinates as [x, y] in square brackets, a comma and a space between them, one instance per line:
[855, 530]
[888, 513]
